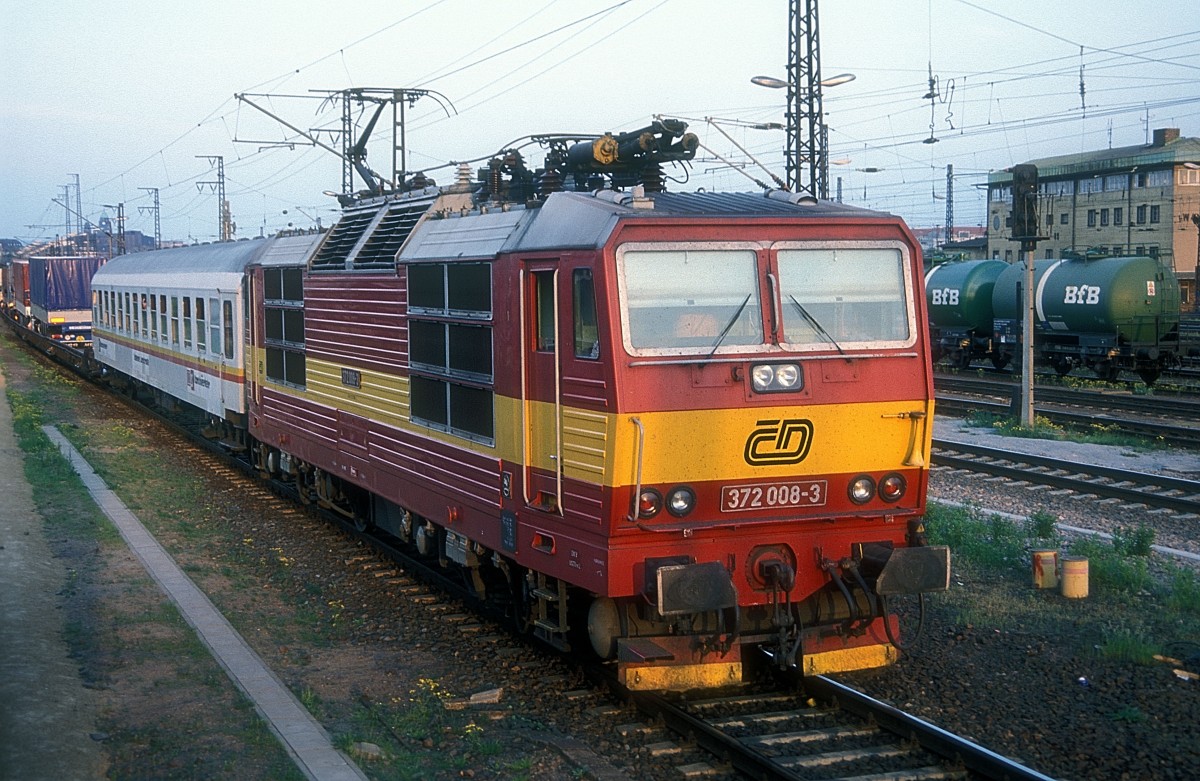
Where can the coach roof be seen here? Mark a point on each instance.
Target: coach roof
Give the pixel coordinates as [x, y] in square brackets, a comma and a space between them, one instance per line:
[203, 266]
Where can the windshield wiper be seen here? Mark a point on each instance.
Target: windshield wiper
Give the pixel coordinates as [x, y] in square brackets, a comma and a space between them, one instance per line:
[729, 326]
[816, 326]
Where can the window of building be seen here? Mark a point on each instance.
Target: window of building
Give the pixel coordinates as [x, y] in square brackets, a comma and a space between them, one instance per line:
[995, 254]
[450, 344]
[1139, 180]
[1154, 250]
[1159, 178]
[1189, 176]
[1008, 255]
[1091, 218]
[1119, 215]
[996, 222]
[1091, 185]
[1141, 214]
[1115, 182]
[1155, 212]
[1049, 254]
[1064, 218]
[1104, 217]
[283, 318]
[1141, 250]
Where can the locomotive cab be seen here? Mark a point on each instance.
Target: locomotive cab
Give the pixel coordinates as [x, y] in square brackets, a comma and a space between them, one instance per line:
[768, 452]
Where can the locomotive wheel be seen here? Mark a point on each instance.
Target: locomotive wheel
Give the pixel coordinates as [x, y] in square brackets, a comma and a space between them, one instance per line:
[999, 361]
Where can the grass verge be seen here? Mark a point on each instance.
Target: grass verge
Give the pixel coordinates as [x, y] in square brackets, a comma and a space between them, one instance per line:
[1139, 604]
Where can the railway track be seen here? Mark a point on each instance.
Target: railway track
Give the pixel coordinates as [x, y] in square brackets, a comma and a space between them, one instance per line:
[828, 731]
[1154, 491]
[1179, 434]
[1159, 405]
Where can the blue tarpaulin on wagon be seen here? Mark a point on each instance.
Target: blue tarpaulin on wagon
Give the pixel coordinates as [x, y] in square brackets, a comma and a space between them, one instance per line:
[62, 283]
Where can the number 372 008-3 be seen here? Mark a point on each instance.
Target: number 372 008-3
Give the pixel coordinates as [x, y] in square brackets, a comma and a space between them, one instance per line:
[766, 496]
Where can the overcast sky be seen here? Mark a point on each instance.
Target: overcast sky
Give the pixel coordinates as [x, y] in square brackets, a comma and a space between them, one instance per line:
[133, 94]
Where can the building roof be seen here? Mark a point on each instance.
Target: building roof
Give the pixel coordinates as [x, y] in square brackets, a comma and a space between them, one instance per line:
[1166, 150]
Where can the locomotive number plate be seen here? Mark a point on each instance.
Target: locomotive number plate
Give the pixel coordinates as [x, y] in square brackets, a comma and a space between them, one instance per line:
[768, 496]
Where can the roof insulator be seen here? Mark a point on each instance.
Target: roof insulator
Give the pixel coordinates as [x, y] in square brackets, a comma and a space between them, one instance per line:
[793, 198]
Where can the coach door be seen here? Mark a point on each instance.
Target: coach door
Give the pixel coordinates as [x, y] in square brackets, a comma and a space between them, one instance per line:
[541, 387]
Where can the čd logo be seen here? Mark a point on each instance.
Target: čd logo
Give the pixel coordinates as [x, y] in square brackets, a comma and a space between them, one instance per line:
[777, 442]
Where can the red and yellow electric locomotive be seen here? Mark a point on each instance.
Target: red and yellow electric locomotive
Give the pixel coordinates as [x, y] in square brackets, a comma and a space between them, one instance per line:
[678, 424]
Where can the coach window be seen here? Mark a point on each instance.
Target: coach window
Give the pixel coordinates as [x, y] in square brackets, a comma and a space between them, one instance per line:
[153, 318]
[201, 325]
[162, 317]
[137, 316]
[227, 313]
[146, 316]
[214, 326]
[587, 330]
[187, 322]
[128, 314]
[174, 321]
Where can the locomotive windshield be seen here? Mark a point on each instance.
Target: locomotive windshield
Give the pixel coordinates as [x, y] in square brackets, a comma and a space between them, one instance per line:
[705, 299]
[843, 295]
[692, 299]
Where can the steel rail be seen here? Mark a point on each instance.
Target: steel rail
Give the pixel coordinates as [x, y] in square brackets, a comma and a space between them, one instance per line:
[1182, 407]
[742, 757]
[945, 744]
[1136, 493]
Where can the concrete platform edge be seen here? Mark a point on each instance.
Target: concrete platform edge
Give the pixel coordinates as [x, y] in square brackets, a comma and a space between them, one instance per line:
[301, 735]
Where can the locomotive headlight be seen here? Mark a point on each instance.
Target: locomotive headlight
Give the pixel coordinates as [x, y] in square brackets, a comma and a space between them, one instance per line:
[681, 501]
[787, 376]
[776, 377]
[891, 487]
[862, 489]
[650, 503]
[763, 376]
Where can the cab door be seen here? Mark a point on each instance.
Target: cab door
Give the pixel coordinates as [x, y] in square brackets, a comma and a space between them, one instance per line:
[541, 386]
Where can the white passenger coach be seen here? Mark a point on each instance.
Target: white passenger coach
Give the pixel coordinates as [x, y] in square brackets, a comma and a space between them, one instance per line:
[174, 319]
